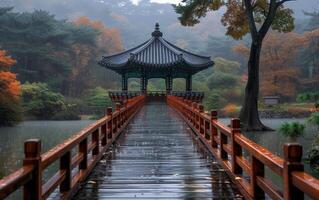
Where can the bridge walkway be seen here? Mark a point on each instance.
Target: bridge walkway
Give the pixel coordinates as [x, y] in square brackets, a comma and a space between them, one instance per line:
[156, 158]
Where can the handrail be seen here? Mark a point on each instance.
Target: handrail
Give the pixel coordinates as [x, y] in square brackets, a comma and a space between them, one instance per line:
[103, 132]
[227, 145]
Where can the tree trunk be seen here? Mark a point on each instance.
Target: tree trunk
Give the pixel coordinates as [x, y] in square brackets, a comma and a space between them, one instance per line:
[249, 115]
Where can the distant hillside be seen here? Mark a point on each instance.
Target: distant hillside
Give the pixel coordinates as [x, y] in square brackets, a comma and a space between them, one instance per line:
[136, 22]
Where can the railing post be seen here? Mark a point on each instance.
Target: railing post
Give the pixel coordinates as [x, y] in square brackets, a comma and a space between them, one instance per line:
[83, 149]
[65, 164]
[257, 169]
[33, 189]
[236, 148]
[214, 131]
[292, 162]
[109, 113]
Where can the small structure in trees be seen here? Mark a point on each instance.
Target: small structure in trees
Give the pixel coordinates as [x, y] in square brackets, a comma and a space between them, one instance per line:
[156, 58]
[271, 100]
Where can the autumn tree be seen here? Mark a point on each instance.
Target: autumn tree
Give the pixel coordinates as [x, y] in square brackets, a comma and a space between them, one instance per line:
[9, 91]
[85, 55]
[309, 57]
[241, 17]
[279, 68]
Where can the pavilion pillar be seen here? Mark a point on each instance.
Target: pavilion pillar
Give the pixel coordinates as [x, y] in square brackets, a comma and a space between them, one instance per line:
[169, 84]
[189, 83]
[143, 83]
[124, 82]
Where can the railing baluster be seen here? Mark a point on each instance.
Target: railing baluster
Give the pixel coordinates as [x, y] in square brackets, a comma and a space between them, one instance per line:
[83, 149]
[119, 117]
[292, 162]
[109, 113]
[214, 131]
[201, 120]
[236, 148]
[96, 139]
[65, 164]
[222, 141]
[257, 169]
[33, 189]
[104, 134]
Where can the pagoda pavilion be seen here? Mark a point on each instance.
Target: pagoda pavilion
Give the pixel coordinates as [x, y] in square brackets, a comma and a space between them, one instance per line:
[156, 58]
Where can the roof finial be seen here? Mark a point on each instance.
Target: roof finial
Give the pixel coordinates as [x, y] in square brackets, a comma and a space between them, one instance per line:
[157, 32]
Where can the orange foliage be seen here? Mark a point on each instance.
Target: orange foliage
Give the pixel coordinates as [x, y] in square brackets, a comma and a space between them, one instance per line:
[5, 61]
[9, 86]
[109, 40]
[230, 109]
[279, 74]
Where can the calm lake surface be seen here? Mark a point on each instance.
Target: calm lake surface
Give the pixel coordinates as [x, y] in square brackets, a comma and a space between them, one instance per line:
[52, 133]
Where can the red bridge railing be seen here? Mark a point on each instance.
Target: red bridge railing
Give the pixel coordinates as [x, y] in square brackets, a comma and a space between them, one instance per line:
[230, 147]
[89, 145]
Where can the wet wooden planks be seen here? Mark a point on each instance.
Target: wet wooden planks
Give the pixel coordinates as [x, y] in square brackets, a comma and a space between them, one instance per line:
[156, 158]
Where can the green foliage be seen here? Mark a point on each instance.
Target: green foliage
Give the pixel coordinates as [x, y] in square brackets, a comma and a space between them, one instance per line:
[235, 18]
[97, 101]
[308, 97]
[222, 80]
[66, 115]
[314, 118]
[294, 129]
[10, 112]
[40, 102]
[42, 45]
[213, 101]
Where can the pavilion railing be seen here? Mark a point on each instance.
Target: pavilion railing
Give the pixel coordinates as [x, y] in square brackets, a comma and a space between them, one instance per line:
[230, 147]
[120, 96]
[89, 146]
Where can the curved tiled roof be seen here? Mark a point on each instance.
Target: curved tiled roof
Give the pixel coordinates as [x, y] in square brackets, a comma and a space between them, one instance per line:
[158, 53]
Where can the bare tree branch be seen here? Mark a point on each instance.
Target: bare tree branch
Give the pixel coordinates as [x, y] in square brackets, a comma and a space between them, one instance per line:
[282, 2]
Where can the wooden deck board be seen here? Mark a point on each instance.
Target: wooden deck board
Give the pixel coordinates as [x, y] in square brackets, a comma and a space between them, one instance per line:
[156, 158]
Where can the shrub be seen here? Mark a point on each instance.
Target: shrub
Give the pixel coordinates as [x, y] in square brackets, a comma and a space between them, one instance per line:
[314, 118]
[230, 109]
[294, 129]
[10, 112]
[213, 101]
[317, 105]
[308, 97]
[39, 101]
[222, 80]
[98, 99]
[65, 115]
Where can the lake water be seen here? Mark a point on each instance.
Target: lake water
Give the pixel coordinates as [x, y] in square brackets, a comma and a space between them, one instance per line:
[50, 133]
[54, 132]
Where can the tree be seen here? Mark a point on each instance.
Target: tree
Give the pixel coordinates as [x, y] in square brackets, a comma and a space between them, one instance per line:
[98, 99]
[9, 91]
[278, 67]
[42, 45]
[240, 18]
[40, 102]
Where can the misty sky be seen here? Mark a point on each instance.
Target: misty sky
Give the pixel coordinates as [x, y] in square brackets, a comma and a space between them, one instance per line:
[160, 1]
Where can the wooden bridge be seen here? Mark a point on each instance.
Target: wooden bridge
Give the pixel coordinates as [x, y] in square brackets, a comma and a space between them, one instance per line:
[160, 150]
